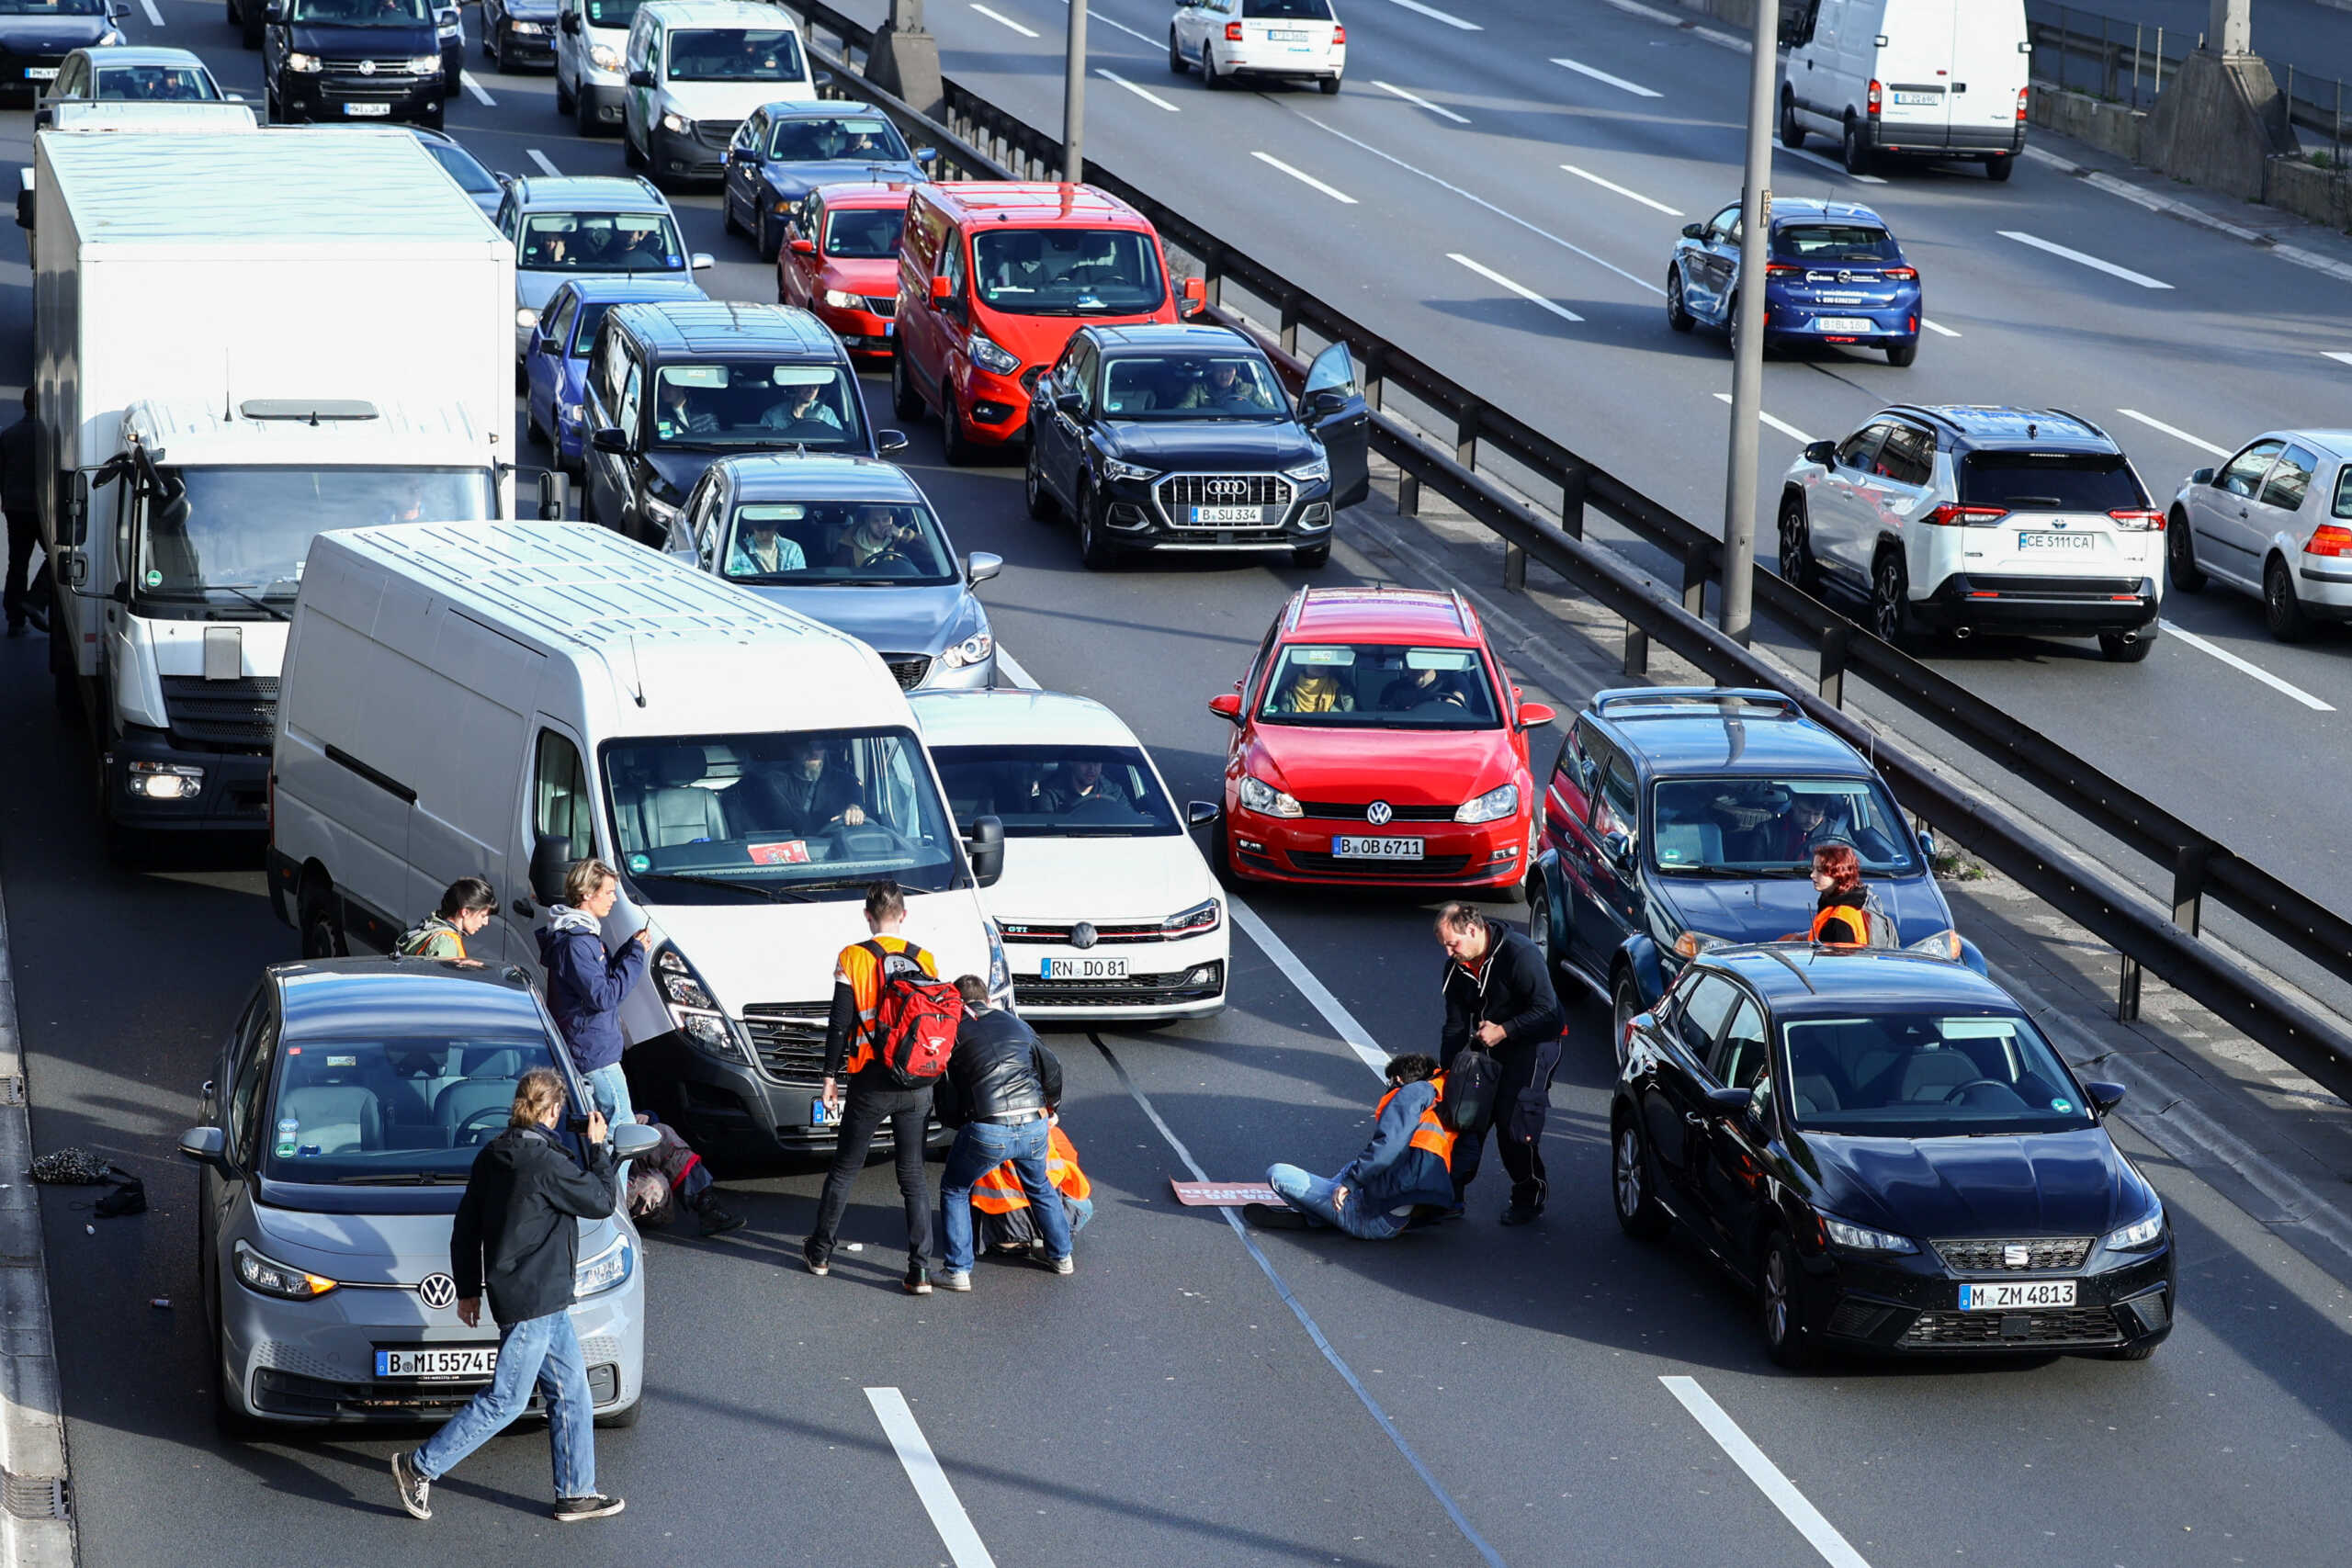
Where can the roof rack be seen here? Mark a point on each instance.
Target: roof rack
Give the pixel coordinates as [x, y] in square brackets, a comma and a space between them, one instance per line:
[1699, 701]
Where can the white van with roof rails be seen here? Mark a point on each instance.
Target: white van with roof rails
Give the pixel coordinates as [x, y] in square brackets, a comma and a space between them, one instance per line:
[498, 699]
[1933, 79]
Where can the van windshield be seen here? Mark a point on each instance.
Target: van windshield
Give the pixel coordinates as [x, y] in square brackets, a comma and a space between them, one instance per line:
[757, 405]
[735, 54]
[709, 819]
[1069, 272]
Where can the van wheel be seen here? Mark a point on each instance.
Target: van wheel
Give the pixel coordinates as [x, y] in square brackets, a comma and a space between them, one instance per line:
[955, 446]
[2181, 554]
[322, 932]
[1791, 132]
[583, 116]
[252, 21]
[1998, 169]
[1857, 152]
[2281, 611]
[1785, 1339]
[629, 154]
[1638, 1215]
[1330, 85]
[563, 100]
[904, 400]
[1797, 565]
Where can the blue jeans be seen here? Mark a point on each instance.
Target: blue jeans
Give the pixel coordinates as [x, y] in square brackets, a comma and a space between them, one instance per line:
[1313, 1196]
[609, 1087]
[980, 1147]
[542, 1350]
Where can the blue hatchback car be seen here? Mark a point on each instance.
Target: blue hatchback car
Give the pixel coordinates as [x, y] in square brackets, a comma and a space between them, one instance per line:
[782, 152]
[1835, 275]
[555, 361]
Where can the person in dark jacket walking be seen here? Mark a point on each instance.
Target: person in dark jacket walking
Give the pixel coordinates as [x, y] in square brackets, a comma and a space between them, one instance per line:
[1498, 999]
[585, 984]
[516, 1236]
[20, 498]
[1405, 1166]
[1000, 1090]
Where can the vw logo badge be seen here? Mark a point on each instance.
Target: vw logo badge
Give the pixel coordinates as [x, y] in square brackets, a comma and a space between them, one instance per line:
[368, 68]
[2017, 1257]
[438, 1291]
[1083, 935]
[1378, 813]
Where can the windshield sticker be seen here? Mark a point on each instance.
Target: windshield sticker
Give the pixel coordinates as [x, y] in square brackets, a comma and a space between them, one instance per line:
[2062, 1105]
[308, 1149]
[289, 1125]
[154, 578]
[789, 852]
[640, 862]
[343, 1061]
[285, 1149]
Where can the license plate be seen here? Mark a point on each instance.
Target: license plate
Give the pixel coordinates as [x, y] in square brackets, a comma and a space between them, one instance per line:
[2056, 541]
[368, 111]
[438, 1361]
[1376, 849]
[1225, 513]
[2019, 1295]
[1084, 969]
[1844, 324]
[1286, 35]
[40, 73]
[820, 1117]
[889, 329]
[1924, 100]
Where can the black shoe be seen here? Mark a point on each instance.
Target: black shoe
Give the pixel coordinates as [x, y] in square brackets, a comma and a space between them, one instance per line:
[16, 628]
[917, 1283]
[717, 1220]
[1427, 1214]
[819, 1263]
[1273, 1217]
[1521, 1213]
[37, 617]
[595, 1506]
[416, 1491]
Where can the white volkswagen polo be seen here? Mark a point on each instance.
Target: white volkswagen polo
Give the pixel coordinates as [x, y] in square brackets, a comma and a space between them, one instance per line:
[1107, 908]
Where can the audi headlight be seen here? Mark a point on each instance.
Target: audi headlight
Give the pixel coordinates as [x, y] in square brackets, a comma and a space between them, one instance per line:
[1200, 918]
[1000, 969]
[1863, 1238]
[283, 1280]
[607, 1271]
[1263, 798]
[973, 650]
[2140, 1235]
[603, 57]
[1500, 802]
[843, 299]
[673, 121]
[988, 356]
[424, 65]
[1313, 473]
[303, 65]
[1115, 469]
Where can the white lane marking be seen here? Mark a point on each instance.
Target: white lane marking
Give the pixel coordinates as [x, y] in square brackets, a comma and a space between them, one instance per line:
[1094, 14]
[1682, 24]
[1302, 178]
[2037, 243]
[930, 1484]
[2338, 356]
[1003, 20]
[546, 164]
[155, 17]
[1479, 201]
[1491, 276]
[1581, 69]
[1011, 667]
[1417, 99]
[466, 78]
[1784, 427]
[1937, 328]
[1335, 1013]
[1145, 94]
[1832, 164]
[2043, 156]
[1777, 1488]
[2175, 432]
[1621, 190]
[1434, 15]
[2246, 667]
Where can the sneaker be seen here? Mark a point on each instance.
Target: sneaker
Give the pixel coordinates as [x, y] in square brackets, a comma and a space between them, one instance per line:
[595, 1506]
[957, 1279]
[818, 1265]
[917, 1283]
[1521, 1213]
[415, 1490]
[1429, 1214]
[1273, 1217]
[717, 1220]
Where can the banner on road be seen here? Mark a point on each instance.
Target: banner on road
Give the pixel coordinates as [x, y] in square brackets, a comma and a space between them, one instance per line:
[1223, 1194]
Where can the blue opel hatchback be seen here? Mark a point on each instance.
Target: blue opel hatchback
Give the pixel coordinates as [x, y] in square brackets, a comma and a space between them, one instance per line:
[555, 361]
[1835, 275]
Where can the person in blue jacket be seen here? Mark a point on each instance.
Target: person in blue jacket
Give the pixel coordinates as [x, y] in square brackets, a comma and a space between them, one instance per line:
[585, 984]
[1408, 1165]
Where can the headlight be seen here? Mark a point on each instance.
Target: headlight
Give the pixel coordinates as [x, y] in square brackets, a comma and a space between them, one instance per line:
[2139, 1236]
[679, 982]
[1000, 971]
[1945, 944]
[1498, 802]
[1202, 917]
[307, 64]
[1115, 469]
[526, 317]
[527, 29]
[973, 650]
[165, 781]
[1862, 1238]
[842, 299]
[988, 356]
[603, 57]
[1263, 798]
[1313, 473]
[272, 1278]
[424, 65]
[674, 121]
[661, 512]
[607, 1271]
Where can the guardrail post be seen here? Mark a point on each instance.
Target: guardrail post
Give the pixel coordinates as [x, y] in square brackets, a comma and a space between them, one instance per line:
[1213, 276]
[1572, 492]
[1697, 560]
[1637, 651]
[2189, 886]
[1375, 375]
[1408, 495]
[1465, 436]
[1833, 665]
[2127, 992]
[1288, 321]
[1515, 567]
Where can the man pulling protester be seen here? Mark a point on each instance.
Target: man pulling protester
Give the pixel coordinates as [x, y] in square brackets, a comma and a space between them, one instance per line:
[1407, 1166]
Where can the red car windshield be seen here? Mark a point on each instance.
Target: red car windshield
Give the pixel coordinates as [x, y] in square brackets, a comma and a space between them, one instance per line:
[1380, 686]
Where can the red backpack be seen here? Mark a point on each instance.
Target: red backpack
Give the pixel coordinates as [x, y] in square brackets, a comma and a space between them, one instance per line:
[914, 1017]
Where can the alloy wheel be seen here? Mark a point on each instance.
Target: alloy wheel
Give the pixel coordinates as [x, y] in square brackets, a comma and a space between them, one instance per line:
[1628, 1173]
[1777, 1306]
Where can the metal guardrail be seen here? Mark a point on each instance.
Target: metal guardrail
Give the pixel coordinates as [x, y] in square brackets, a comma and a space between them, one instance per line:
[982, 141]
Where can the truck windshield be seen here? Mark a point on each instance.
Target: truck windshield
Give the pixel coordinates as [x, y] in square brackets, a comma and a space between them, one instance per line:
[244, 532]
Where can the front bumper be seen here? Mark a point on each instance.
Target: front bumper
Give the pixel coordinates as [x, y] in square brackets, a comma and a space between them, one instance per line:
[603, 98]
[231, 797]
[1454, 854]
[381, 97]
[1909, 1305]
[529, 48]
[861, 332]
[1140, 516]
[1184, 978]
[996, 408]
[731, 1111]
[681, 155]
[2044, 606]
[18, 78]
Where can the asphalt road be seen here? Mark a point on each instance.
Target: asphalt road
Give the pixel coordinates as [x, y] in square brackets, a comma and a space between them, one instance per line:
[1169, 1402]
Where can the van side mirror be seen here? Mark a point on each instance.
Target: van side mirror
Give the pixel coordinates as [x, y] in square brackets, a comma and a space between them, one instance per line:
[641, 77]
[25, 210]
[570, 23]
[986, 847]
[551, 858]
[941, 289]
[275, 12]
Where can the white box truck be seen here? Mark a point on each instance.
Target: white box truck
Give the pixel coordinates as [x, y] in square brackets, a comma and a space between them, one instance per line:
[240, 340]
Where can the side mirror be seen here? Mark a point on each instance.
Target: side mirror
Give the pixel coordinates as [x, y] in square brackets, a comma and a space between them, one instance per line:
[941, 289]
[1694, 230]
[611, 439]
[1069, 401]
[981, 567]
[803, 246]
[633, 1140]
[700, 261]
[1619, 849]
[926, 155]
[889, 441]
[206, 1145]
[2195, 476]
[232, 97]
[1536, 715]
[2104, 1096]
[44, 116]
[555, 492]
[1201, 813]
[1195, 293]
[25, 210]
[275, 12]
[570, 23]
[641, 77]
[986, 847]
[551, 858]
[1227, 706]
[1928, 844]
[1822, 451]
[1322, 403]
[1730, 1102]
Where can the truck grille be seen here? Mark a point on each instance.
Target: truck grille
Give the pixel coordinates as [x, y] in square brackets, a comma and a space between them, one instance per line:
[907, 669]
[380, 79]
[789, 1038]
[1222, 490]
[222, 715]
[2042, 1255]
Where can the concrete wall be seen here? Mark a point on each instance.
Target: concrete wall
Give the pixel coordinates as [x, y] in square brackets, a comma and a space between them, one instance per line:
[2110, 127]
[2324, 195]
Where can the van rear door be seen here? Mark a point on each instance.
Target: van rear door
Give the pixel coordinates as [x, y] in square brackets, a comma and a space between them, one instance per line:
[1989, 70]
[1914, 72]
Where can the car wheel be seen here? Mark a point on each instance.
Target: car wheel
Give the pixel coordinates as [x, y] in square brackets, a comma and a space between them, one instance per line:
[503, 59]
[2181, 554]
[1999, 169]
[1797, 565]
[1900, 354]
[563, 100]
[727, 213]
[1330, 85]
[1538, 925]
[322, 932]
[533, 431]
[1209, 78]
[1785, 1339]
[1624, 1006]
[1175, 55]
[2281, 611]
[2121, 651]
[1040, 500]
[1677, 314]
[1094, 548]
[1857, 154]
[764, 241]
[1791, 132]
[1891, 600]
[1221, 858]
[489, 31]
[1638, 1215]
[229, 10]
[956, 446]
[622, 1420]
[905, 402]
[431, 120]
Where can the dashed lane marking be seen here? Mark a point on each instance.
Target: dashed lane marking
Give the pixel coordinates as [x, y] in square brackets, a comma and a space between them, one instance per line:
[1581, 69]
[1777, 1488]
[1491, 276]
[2175, 432]
[1621, 190]
[1302, 178]
[1416, 98]
[1144, 93]
[1434, 15]
[466, 80]
[930, 1484]
[2247, 667]
[546, 164]
[2051, 247]
[1002, 21]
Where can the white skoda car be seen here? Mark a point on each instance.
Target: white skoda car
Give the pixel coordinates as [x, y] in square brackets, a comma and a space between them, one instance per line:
[1228, 39]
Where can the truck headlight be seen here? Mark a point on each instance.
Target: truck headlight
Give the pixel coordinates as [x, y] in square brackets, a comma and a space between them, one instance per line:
[604, 57]
[304, 65]
[1263, 798]
[1495, 802]
[165, 781]
[271, 1277]
[424, 65]
[988, 356]
[1313, 473]
[679, 983]
[973, 650]
[677, 123]
[841, 298]
[1115, 469]
[608, 1270]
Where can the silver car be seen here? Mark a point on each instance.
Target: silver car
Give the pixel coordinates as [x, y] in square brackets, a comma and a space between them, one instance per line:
[340, 1124]
[2275, 520]
[854, 543]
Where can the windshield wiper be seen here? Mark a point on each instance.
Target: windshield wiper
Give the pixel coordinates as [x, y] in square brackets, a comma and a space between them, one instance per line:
[403, 1178]
[264, 605]
[731, 884]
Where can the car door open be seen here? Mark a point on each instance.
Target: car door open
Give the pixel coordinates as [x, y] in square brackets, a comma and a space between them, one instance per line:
[1333, 405]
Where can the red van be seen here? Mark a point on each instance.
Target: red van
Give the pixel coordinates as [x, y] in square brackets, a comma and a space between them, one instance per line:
[993, 279]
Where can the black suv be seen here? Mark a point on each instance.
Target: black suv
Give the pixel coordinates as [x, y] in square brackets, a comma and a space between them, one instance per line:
[351, 61]
[674, 386]
[1182, 439]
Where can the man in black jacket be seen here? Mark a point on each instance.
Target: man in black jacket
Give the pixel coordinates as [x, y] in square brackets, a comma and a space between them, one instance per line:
[999, 1092]
[1498, 999]
[516, 1234]
[20, 499]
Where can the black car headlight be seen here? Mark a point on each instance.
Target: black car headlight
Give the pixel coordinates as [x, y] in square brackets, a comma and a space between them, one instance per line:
[1113, 468]
[1848, 1236]
[2141, 1236]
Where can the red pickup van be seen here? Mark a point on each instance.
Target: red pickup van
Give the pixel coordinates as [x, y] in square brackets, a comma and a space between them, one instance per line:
[992, 280]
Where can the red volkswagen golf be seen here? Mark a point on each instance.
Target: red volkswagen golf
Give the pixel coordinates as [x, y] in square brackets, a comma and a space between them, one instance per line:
[1378, 740]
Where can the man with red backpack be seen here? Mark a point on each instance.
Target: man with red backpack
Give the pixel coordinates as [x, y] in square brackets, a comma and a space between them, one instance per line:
[892, 1028]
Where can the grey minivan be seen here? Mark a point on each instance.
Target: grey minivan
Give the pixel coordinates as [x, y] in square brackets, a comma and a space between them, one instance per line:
[852, 542]
[339, 1127]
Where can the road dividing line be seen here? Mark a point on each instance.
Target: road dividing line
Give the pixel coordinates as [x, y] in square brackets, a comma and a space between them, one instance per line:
[1491, 276]
[1097, 15]
[1937, 328]
[155, 17]
[1621, 190]
[466, 78]
[1619, 82]
[2175, 432]
[2338, 356]
[1417, 99]
[546, 164]
[1434, 15]
[939, 1499]
[1146, 95]
[1832, 164]
[1777, 1488]
[2246, 667]
[1318, 996]
[1302, 178]
[1784, 427]
[2094, 262]
[1002, 21]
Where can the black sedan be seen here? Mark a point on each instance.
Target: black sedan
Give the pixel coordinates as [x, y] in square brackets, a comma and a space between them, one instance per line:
[1889, 1152]
[782, 152]
[1181, 438]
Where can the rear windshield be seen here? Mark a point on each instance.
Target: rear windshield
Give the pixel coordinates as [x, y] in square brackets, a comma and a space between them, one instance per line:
[1287, 10]
[2050, 481]
[1836, 242]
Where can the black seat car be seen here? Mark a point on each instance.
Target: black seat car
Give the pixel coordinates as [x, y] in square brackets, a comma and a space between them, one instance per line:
[674, 387]
[1889, 1152]
[1181, 438]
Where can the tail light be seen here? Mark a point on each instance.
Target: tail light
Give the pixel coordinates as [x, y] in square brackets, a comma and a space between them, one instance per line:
[1902, 274]
[2330, 539]
[1953, 515]
[1338, 32]
[1877, 94]
[2022, 98]
[1233, 32]
[1782, 269]
[2139, 518]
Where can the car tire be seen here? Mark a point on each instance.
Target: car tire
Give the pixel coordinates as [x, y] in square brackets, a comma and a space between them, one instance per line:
[1678, 314]
[1891, 600]
[532, 430]
[489, 31]
[958, 448]
[727, 215]
[228, 11]
[563, 100]
[1998, 169]
[630, 153]
[1312, 558]
[623, 1419]
[1857, 152]
[1538, 925]
[1624, 1006]
[1785, 1338]
[322, 932]
[763, 241]
[1209, 78]
[1094, 549]
[1033, 493]
[1221, 864]
[1175, 55]
[2281, 611]
[2181, 554]
[500, 56]
[2119, 651]
[1900, 354]
[1792, 130]
[1797, 563]
[433, 121]
[2130, 1353]
[251, 22]
[1330, 85]
[905, 402]
[583, 115]
[1630, 1178]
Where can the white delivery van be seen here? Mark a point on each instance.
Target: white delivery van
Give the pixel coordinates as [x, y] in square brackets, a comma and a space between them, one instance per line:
[695, 71]
[1909, 78]
[499, 699]
[590, 37]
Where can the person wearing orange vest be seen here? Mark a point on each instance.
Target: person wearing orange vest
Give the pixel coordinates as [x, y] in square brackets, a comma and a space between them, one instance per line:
[1840, 918]
[1407, 1165]
[1005, 1223]
[467, 905]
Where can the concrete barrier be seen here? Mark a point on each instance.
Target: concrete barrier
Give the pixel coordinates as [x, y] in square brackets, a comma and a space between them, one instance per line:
[2109, 127]
[2324, 195]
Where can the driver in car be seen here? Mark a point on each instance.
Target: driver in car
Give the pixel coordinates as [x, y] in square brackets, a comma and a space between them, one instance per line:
[1419, 688]
[802, 413]
[814, 798]
[1226, 390]
[1083, 782]
[878, 539]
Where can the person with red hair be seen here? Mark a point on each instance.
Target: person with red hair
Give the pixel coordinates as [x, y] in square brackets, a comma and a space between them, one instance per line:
[1839, 917]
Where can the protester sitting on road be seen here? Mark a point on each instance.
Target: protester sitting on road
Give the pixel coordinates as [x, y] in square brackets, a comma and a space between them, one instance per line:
[1498, 998]
[1005, 1223]
[585, 984]
[467, 905]
[671, 1178]
[999, 1092]
[1407, 1165]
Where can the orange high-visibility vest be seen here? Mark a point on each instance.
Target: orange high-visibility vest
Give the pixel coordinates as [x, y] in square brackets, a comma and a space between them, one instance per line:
[1850, 913]
[999, 1192]
[858, 966]
[1432, 1135]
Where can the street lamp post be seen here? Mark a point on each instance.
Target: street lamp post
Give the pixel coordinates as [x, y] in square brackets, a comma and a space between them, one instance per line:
[1074, 97]
[1748, 332]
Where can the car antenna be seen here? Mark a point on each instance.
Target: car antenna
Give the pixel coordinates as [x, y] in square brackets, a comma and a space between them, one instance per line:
[636, 670]
[1802, 979]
